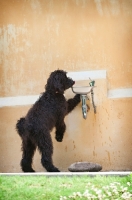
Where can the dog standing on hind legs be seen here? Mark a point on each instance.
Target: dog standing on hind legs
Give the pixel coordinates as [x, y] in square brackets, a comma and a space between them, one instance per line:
[48, 112]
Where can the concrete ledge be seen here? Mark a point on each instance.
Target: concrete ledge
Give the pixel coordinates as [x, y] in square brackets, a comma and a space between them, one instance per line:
[61, 174]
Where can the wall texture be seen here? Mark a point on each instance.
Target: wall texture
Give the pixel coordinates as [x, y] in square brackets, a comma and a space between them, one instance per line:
[39, 36]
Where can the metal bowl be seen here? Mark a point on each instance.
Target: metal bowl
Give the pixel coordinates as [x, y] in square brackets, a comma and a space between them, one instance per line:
[82, 89]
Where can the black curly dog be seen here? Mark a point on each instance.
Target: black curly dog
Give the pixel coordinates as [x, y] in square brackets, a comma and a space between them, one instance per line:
[48, 112]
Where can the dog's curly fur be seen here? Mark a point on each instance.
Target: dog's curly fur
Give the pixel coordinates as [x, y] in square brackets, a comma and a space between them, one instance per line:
[48, 112]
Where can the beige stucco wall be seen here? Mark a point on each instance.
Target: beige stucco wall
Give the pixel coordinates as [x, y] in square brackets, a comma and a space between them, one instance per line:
[39, 36]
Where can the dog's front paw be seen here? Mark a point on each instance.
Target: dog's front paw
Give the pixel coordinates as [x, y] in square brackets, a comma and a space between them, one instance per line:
[58, 138]
[77, 97]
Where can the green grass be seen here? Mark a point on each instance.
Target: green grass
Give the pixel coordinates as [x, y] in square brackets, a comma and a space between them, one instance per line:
[60, 188]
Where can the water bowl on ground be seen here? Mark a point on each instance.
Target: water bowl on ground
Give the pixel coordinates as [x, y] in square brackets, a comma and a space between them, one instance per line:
[85, 167]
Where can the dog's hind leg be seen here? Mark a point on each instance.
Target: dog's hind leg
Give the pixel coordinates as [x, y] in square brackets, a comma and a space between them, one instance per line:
[28, 149]
[46, 149]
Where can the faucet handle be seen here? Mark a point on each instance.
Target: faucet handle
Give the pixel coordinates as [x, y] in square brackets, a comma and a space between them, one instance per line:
[92, 82]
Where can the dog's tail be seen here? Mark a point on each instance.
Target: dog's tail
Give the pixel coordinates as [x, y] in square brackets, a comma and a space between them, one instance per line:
[20, 126]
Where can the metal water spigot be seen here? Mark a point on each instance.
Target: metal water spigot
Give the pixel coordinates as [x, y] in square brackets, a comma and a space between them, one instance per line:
[83, 91]
[85, 106]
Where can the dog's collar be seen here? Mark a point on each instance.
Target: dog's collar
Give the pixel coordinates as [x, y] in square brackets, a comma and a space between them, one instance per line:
[59, 93]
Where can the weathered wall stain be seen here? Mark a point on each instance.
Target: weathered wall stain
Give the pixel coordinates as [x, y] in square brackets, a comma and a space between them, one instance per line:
[92, 45]
[113, 7]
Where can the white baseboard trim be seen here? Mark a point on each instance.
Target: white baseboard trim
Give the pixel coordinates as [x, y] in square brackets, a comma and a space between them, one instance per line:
[18, 101]
[120, 93]
[28, 100]
[82, 75]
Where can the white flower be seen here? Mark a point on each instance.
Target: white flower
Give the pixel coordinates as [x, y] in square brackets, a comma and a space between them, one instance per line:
[128, 183]
[126, 195]
[63, 198]
[109, 194]
[79, 194]
[115, 191]
[124, 189]
[98, 191]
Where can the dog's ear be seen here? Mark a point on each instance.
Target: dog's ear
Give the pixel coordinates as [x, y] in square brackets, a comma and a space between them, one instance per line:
[58, 84]
[55, 82]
